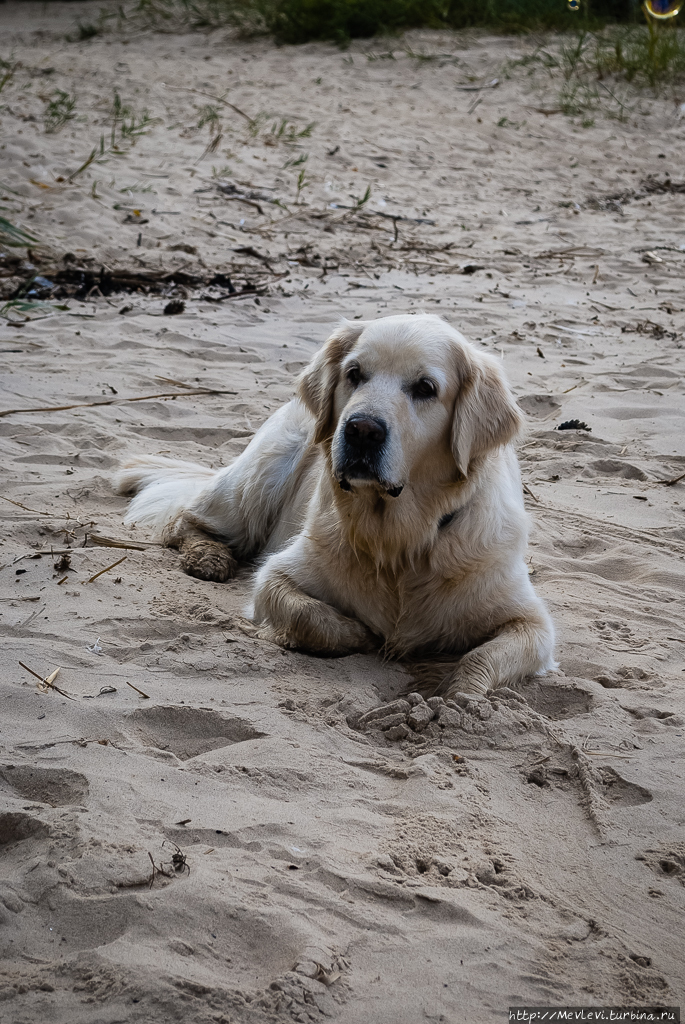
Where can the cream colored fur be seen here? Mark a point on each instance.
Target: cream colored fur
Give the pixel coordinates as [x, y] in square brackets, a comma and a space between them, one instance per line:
[360, 569]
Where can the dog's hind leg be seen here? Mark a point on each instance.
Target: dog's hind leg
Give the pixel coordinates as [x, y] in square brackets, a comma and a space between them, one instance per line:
[212, 516]
[201, 555]
[164, 488]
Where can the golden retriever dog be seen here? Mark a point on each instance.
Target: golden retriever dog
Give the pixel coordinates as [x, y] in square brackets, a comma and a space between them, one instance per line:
[384, 503]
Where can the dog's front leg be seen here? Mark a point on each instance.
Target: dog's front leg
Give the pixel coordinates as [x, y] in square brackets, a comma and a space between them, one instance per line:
[296, 620]
[523, 647]
[201, 555]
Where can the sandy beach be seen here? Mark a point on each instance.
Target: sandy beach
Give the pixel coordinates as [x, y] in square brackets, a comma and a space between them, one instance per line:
[198, 826]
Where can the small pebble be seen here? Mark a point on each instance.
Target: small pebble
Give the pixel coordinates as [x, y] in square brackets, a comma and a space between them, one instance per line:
[443, 866]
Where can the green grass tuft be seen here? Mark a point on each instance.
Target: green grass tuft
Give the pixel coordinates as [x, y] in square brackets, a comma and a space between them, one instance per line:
[58, 111]
[12, 235]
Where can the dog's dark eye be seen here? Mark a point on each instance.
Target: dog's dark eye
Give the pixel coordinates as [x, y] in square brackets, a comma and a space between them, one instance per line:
[424, 388]
[354, 375]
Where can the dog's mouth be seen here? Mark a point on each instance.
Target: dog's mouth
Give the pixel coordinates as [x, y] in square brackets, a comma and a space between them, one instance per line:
[361, 472]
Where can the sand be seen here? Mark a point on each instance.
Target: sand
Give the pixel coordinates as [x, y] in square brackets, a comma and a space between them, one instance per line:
[524, 850]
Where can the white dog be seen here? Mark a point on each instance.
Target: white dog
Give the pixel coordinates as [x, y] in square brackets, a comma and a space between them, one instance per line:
[386, 503]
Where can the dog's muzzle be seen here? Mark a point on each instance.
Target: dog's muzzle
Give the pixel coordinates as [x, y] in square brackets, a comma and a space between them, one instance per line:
[363, 444]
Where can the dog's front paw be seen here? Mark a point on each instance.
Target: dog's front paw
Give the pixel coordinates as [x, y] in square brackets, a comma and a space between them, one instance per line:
[338, 637]
[207, 560]
[462, 682]
[333, 638]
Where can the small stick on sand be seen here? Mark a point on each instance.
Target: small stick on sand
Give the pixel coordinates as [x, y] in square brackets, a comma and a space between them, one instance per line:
[170, 380]
[608, 753]
[217, 99]
[31, 671]
[112, 566]
[52, 515]
[674, 480]
[477, 88]
[145, 696]
[528, 491]
[63, 580]
[118, 401]
[27, 509]
[574, 386]
[155, 870]
[48, 680]
[100, 540]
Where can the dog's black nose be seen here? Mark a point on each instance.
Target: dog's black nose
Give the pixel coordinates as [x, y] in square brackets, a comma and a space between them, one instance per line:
[365, 432]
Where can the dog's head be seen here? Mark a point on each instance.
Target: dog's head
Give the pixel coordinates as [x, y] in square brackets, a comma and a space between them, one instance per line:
[406, 399]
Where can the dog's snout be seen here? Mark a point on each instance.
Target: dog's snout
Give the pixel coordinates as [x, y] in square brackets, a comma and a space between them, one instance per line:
[365, 432]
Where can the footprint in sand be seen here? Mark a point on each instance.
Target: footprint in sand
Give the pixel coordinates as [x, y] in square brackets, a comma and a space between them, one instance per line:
[628, 677]
[539, 406]
[621, 793]
[614, 467]
[55, 786]
[187, 732]
[15, 826]
[666, 861]
[556, 701]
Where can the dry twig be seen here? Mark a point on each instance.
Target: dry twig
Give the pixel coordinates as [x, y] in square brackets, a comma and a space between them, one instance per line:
[673, 480]
[117, 401]
[48, 681]
[112, 566]
[145, 696]
[101, 541]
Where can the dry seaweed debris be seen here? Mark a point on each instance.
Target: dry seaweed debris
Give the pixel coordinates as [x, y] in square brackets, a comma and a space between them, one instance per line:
[647, 187]
[81, 278]
[178, 857]
[63, 562]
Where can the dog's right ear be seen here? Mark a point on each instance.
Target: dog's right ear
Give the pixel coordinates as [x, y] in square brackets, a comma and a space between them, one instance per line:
[317, 384]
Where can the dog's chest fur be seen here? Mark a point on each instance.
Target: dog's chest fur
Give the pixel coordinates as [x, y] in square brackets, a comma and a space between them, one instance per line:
[440, 600]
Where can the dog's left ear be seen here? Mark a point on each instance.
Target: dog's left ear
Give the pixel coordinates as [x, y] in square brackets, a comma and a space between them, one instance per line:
[317, 384]
[485, 415]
